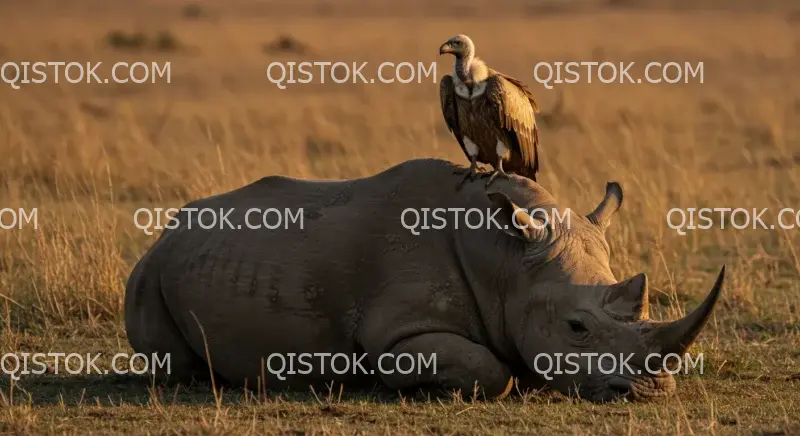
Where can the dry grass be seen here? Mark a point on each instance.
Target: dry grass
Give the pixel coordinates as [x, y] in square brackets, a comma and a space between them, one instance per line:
[87, 156]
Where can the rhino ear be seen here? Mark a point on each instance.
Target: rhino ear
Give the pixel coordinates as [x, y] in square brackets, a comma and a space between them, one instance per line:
[627, 300]
[601, 215]
[515, 221]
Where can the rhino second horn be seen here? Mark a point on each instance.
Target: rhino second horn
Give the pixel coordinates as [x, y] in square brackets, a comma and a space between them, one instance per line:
[601, 215]
[628, 299]
[677, 336]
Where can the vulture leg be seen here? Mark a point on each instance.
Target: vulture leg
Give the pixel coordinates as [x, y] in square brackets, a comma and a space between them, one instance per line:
[498, 171]
[472, 172]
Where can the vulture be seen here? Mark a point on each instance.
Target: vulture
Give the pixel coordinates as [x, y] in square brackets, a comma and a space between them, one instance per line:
[491, 115]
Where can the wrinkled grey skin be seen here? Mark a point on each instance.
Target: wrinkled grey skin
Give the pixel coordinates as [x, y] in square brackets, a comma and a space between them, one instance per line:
[486, 301]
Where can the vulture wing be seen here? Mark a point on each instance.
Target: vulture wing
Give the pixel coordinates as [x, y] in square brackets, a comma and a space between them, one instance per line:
[447, 94]
[516, 109]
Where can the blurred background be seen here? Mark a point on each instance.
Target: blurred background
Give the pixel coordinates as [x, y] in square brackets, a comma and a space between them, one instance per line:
[86, 156]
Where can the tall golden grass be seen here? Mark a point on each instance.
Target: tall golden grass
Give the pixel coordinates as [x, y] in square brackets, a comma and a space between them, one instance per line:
[88, 155]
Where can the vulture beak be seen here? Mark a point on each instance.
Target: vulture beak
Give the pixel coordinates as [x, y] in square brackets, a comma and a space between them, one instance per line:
[445, 48]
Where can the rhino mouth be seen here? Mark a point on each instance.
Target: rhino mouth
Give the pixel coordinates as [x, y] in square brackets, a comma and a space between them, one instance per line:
[643, 389]
[639, 386]
[622, 387]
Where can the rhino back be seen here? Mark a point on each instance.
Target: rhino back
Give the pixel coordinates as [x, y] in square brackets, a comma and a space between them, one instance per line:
[351, 262]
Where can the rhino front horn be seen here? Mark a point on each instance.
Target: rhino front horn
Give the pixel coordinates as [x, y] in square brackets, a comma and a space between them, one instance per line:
[677, 336]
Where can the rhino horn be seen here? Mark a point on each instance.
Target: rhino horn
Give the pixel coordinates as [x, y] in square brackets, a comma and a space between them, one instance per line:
[627, 300]
[677, 336]
[601, 215]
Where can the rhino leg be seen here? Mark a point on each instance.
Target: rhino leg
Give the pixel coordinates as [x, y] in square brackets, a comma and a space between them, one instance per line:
[151, 330]
[460, 364]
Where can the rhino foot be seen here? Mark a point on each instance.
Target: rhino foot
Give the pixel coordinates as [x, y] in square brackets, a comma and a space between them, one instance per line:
[458, 364]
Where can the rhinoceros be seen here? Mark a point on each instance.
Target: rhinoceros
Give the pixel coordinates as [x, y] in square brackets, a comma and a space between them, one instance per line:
[355, 277]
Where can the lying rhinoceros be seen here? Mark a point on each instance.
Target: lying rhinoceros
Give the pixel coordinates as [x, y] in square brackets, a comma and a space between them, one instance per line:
[357, 279]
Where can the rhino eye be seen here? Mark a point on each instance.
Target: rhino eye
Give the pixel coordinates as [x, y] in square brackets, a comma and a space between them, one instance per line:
[577, 327]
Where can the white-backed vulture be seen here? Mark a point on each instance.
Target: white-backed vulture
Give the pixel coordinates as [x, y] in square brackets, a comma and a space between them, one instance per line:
[491, 114]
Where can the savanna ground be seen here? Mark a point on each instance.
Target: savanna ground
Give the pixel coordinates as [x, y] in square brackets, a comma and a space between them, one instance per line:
[88, 156]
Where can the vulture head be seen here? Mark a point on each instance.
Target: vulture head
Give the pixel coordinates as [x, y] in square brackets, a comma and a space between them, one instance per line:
[459, 46]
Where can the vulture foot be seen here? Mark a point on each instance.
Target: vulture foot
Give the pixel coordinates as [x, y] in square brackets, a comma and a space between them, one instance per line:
[497, 173]
[470, 176]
